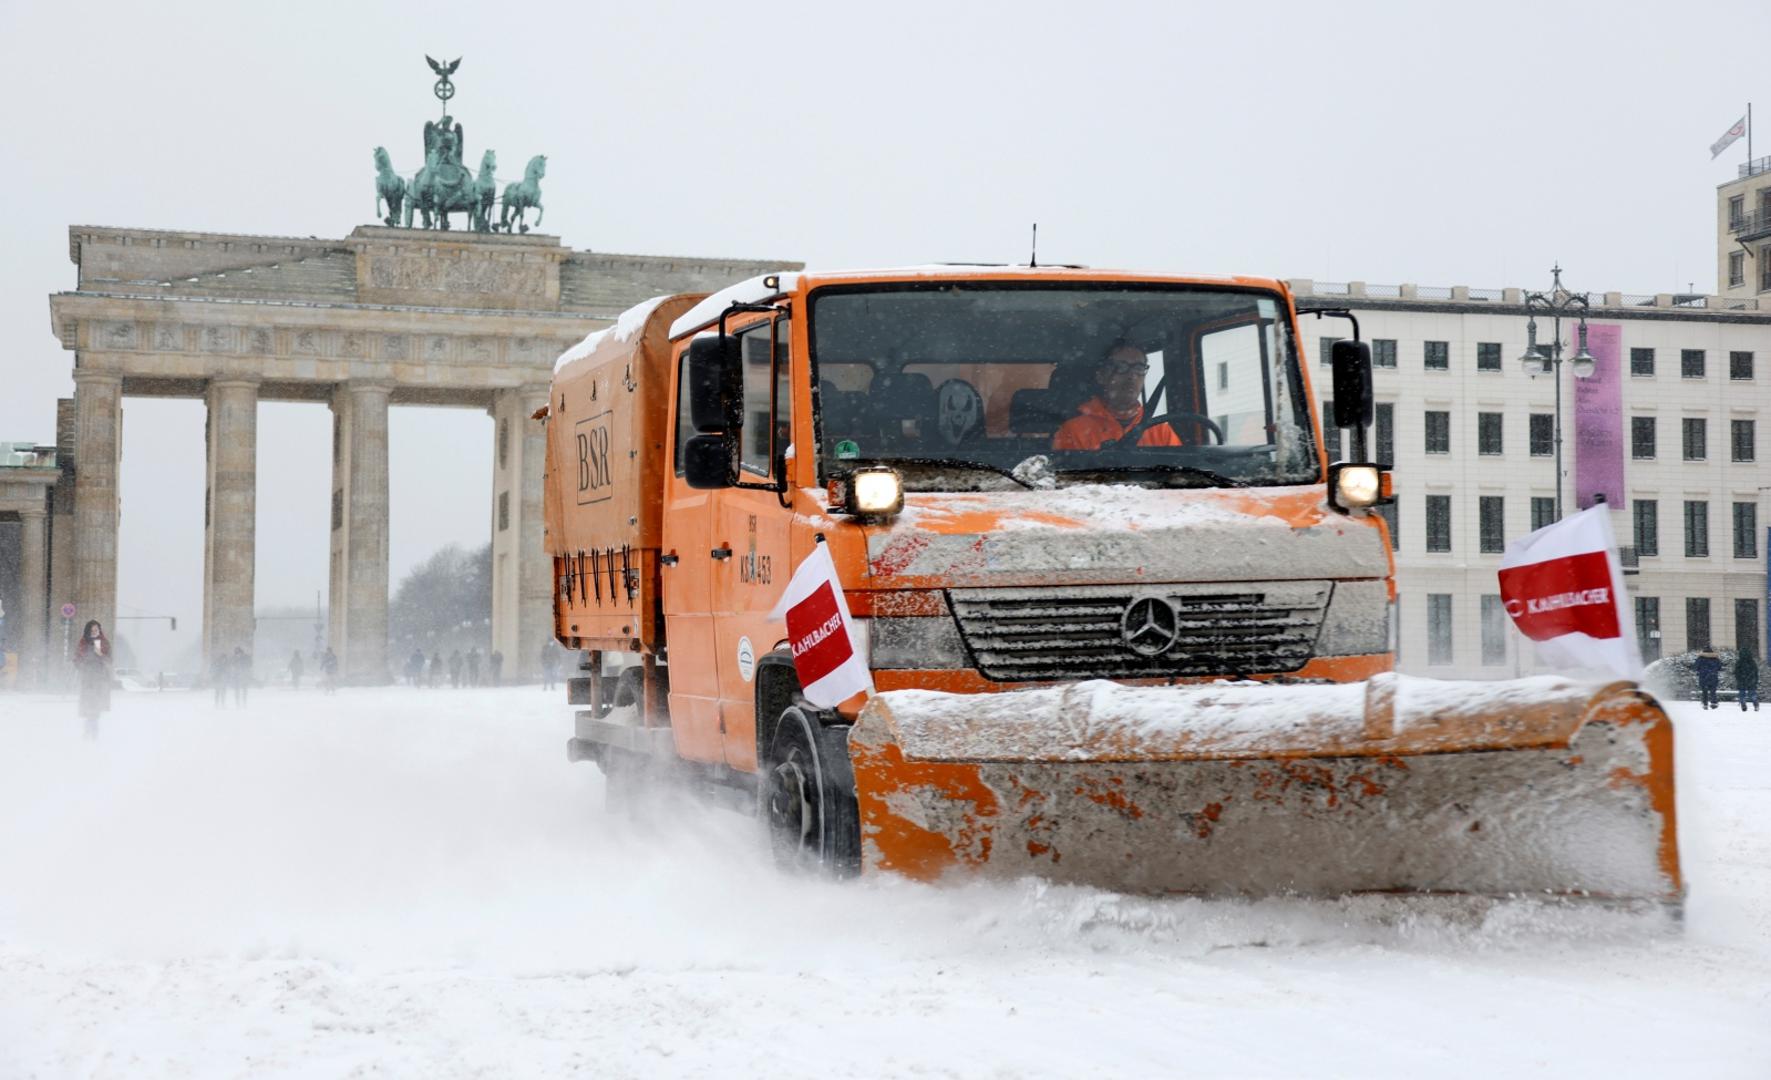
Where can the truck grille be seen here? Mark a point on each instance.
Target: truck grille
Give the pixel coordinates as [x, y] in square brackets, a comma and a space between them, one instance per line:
[1020, 635]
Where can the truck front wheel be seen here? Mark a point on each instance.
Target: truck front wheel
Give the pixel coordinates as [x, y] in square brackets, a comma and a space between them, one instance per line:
[808, 797]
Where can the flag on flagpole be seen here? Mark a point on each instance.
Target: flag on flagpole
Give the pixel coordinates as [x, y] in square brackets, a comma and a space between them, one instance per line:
[1563, 587]
[827, 655]
[1728, 138]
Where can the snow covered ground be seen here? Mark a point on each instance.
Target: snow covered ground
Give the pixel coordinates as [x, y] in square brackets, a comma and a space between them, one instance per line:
[416, 883]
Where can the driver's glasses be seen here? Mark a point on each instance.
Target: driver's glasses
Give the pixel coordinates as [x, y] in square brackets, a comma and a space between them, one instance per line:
[1120, 371]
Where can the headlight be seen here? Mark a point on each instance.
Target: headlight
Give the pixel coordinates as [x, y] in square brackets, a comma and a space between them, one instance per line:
[1355, 487]
[875, 493]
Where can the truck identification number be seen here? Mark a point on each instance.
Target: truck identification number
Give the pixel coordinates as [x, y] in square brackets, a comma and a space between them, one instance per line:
[595, 482]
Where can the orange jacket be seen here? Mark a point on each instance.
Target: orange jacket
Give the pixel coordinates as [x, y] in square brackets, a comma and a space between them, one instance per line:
[1093, 426]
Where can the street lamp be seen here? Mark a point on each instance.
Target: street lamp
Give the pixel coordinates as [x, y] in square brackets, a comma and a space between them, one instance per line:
[1547, 360]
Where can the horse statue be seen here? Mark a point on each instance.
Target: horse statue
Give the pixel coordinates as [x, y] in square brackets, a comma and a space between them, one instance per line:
[526, 193]
[390, 188]
[486, 187]
[443, 186]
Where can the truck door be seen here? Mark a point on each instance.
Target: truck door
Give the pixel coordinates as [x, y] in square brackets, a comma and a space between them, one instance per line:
[751, 524]
[687, 576]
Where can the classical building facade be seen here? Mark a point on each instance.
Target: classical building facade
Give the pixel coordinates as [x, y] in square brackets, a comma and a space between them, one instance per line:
[1743, 235]
[382, 317]
[1668, 430]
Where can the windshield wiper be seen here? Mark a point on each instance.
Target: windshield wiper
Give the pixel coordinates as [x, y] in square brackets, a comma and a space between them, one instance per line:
[963, 464]
[1163, 467]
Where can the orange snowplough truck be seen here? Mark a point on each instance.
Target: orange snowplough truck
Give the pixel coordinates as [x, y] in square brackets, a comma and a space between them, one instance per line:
[1126, 624]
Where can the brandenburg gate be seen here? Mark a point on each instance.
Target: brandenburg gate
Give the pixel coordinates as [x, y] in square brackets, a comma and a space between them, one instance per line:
[382, 317]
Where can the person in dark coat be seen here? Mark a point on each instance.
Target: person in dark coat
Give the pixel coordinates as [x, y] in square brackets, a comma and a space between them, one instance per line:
[455, 663]
[436, 669]
[329, 671]
[92, 659]
[1746, 678]
[415, 668]
[496, 664]
[1709, 676]
[240, 673]
[473, 666]
[295, 666]
[550, 663]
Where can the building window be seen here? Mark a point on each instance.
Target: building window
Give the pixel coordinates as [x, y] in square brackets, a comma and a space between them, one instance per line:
[1764, 261]
[1383, 352]
[1438, 628]
[1741, 440]
[1223, 375]
[1488, 433]
[1647, 515]
[1543, 434]
[1736, 269]
[1438, 523]
[1491, 523]
[1697, 622]
[1691, 363]
[503, 442]
[1331, 435]
[1326, 345]
[1648, 626]
[1642, 438]
[503, 510]
[1697, 528]
[1387, 511]
[1740, 365]
[1487, 356]
[1438, 432]
[1438, 355]
[1642, 362]
[1746, 530]
[1386, 433]
[1746, 626]
[1543, 512]
[1494, 631]
[1736, 210]
[1696, 430]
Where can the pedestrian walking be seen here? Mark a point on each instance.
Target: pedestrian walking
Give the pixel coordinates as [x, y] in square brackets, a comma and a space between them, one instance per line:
[415, 668]
[456, 663]
[496, 663]
[240, 671]
[295, 667]
[329, 671]
[221, 676]
[92, 659]
[549, 664]
[1709, 677]
[1746, 678]
[473, 666]
[436, 670]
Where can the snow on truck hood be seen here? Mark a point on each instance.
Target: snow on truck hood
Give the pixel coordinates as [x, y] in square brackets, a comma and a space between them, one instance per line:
[1120, 533]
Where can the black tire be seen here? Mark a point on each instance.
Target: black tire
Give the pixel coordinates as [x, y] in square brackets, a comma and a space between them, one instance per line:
[807, 792]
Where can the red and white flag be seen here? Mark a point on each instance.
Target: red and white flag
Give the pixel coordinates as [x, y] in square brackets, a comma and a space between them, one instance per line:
[1728, 138]
[1563, 587]
[827, 654]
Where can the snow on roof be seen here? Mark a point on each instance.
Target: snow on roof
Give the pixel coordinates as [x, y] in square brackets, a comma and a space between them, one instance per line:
[628, 324]
[756, 290]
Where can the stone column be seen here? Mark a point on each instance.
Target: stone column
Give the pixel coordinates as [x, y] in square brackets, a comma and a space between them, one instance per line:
[33, 594]
[358, 613]
[98, 404]
[522, 574]
[230, 516]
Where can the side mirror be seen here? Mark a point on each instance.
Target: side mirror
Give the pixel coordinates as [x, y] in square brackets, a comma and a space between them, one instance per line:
[715, 386]
[707, 461]
[1353, 405]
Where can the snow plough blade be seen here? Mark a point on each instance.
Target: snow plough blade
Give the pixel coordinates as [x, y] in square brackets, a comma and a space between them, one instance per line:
[1530, 786]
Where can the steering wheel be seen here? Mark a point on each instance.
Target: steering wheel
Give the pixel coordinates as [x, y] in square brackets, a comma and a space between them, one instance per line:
[1130, 438]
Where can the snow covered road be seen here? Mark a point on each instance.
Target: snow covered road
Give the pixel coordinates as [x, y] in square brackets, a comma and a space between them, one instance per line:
[405, 883]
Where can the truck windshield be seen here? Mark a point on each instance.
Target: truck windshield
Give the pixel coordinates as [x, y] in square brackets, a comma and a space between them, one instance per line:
[980, 385]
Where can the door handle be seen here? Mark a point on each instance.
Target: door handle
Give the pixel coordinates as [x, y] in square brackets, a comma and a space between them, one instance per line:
[668, 560]
[722, 553]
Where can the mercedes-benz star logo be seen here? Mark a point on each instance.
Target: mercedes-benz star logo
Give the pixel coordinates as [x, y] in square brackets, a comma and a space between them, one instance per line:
[1150, 626]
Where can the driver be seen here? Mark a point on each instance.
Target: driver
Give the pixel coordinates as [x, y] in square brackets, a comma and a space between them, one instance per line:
[1117, 408]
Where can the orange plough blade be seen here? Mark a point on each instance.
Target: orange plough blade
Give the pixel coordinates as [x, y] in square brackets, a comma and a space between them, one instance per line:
[1528, 786]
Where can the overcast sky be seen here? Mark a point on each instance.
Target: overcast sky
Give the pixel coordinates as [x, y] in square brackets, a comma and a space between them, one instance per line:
[1406, 142]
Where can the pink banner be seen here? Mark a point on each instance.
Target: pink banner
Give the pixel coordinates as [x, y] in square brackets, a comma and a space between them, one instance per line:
[1598, 419]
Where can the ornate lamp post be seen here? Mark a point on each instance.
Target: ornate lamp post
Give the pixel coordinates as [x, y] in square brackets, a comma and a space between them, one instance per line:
[1547, 360]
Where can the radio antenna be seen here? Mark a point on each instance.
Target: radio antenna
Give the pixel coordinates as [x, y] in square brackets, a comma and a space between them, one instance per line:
[1033, 260]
